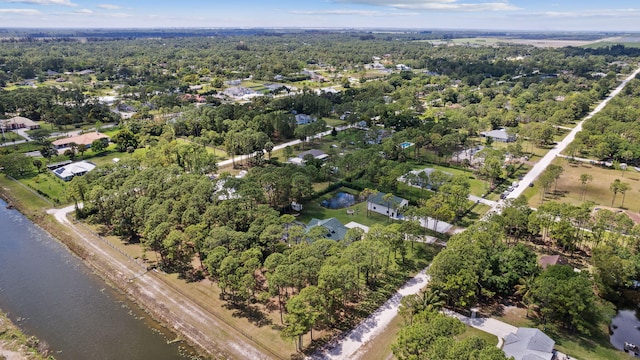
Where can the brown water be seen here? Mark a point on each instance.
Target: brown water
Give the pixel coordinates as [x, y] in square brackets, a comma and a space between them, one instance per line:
[51, 294]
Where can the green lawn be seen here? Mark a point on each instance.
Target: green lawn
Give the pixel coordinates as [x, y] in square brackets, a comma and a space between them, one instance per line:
[48, 184]
[312, 209]
[10, 136]
[31, 201]
[334, 122]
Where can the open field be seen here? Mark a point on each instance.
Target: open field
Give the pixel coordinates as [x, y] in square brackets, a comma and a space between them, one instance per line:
[627, 41]
[493, 41]
[570, 188]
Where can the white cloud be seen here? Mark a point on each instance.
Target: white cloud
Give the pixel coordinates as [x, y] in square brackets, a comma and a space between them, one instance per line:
[43, 2]
[602, 13]
[20, 11]
[437, 5]
[83, 12]
[109, 6]
[351, 12]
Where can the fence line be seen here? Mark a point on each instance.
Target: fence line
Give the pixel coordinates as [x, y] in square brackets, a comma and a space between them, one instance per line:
[31, 190]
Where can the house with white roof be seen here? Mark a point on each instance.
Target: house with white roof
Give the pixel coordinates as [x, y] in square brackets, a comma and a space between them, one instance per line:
[500, 135]
[69, 171]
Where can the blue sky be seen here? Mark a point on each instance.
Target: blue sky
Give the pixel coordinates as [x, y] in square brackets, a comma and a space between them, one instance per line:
[543, 15]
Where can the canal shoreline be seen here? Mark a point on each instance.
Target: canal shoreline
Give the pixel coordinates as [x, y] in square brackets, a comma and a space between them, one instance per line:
[14, 344]
[144, 298]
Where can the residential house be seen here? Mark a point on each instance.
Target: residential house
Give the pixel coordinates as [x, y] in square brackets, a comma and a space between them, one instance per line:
[317, 154]
[528, 344]
[389, 207]
[304, 119]
[377, 137]
[84, 139]
[547, 260]
[418, 182]
[19, 122]
[335, 229]
[69, 171]
[500, 135]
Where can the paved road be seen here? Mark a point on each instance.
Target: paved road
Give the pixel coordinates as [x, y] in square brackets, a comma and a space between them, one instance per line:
[350, 345]
[548, 158]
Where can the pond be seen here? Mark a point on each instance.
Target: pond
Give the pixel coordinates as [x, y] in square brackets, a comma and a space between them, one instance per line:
[340, 201]
[626, 329]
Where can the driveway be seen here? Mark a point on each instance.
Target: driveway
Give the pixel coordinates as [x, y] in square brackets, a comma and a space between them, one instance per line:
[351, 344]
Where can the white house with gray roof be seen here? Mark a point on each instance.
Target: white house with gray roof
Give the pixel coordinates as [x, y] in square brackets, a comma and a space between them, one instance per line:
[391, 207]
[529, 344]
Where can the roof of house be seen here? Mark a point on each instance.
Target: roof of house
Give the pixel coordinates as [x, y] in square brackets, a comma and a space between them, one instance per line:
[378, 199]
[547, 260]
[85, 139]
[497, 134]
[74, 169]
[528, 344]
[336, 231]
[315, 152]
[19, 120]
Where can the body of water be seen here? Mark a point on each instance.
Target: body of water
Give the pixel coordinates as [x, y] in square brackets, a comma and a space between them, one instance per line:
[626, 328]
[51, 294]
[339, 201]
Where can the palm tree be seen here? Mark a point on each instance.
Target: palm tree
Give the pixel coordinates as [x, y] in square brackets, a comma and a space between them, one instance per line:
[623, 188]
[584, 179]
[524, 290]
[432, 300]
[615, 187]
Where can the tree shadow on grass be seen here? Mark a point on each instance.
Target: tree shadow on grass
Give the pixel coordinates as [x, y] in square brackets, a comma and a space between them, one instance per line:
[249, 312]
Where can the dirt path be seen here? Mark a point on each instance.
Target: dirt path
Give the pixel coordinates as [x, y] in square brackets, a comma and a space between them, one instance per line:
[352, 344]
[164, 302]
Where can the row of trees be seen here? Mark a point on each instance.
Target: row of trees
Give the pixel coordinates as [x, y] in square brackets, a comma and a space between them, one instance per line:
[485, 262]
